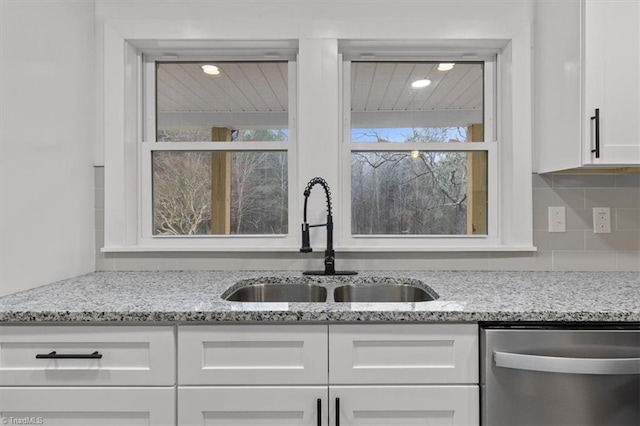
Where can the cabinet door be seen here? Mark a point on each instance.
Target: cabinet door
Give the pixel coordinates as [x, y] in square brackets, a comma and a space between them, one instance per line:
[612, 81]
[88, 406]
[252, 406]
[404, 405]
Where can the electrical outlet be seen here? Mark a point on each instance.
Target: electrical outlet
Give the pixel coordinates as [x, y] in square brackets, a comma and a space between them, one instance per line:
[557, 219]
[601, 220]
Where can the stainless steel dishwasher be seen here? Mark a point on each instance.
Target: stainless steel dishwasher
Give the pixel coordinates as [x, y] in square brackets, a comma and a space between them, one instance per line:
[560, 376]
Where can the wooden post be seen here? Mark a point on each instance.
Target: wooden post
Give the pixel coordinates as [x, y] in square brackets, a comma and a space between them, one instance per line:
[476, 184]
[220, 184]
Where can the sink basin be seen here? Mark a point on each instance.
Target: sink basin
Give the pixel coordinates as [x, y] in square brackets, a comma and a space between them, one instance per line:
[386, 292]
[279, 293]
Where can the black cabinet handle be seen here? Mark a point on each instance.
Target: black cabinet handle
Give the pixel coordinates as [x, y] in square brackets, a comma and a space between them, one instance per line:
[597, 120]
[55, 355]
[337, 411]
[319, 412]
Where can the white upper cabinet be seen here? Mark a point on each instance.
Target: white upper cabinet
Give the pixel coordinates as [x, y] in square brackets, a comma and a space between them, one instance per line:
[587, 84]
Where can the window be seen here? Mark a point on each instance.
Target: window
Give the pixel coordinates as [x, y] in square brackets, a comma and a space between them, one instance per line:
[212, 162]
[218, 147]
[419, 148]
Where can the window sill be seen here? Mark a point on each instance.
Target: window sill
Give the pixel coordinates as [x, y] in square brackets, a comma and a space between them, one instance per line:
[320, 249]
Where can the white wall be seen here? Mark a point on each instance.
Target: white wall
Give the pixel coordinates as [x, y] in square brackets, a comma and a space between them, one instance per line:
[46, 141]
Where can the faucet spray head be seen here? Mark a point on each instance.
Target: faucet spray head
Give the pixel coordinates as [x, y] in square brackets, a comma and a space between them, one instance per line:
[306, 245]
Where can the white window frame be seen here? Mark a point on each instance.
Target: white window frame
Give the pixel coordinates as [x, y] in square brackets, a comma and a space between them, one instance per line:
[149, 145]
[128, 195]
[507, 143]
[120, 130]
[490, 145]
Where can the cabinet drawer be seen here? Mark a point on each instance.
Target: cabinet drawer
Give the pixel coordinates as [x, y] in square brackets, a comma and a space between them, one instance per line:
[68, 406]
[247, 354]
[405, 405]
[86, 356]
[252, 405]
[403, 354]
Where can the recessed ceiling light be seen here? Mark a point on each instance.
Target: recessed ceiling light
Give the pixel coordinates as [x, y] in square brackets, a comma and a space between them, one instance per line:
[446, 66]
[415, 154]
[418, 84]
[210, 69]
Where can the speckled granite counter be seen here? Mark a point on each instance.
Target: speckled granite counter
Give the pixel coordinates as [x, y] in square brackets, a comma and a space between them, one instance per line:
[464, 296]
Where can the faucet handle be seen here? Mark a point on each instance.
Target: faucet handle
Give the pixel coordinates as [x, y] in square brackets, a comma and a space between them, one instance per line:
[306, 245]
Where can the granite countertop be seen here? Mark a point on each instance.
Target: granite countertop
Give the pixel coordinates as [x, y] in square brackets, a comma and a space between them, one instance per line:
[464, 296]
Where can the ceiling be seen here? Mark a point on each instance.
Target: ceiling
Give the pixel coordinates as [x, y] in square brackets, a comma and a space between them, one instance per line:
[254, 94]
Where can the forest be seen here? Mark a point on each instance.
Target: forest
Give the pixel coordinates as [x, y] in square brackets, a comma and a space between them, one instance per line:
[392, 192]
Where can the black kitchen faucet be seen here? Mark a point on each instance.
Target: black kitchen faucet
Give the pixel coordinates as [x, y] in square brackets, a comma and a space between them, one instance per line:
[329, 253]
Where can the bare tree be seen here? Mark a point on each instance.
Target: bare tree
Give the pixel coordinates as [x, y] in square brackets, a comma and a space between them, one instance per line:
[400, 193]
[181, 192]
[182, 187]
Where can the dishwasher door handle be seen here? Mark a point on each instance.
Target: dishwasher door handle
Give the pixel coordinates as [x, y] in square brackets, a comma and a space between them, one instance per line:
[552, 364]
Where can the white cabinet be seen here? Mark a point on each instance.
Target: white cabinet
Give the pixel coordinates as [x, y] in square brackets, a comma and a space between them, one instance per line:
[87, 375]
[252, 406]
[113, 406]
[294, 374]
[404, 405]
[403, 353]
[282, 371]
[414, 374]
[387, 374]
[252, 354]
[612, 80]
[87, 356]
[587, 64]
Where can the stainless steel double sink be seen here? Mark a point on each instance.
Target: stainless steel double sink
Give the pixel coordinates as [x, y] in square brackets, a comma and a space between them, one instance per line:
[381, 290]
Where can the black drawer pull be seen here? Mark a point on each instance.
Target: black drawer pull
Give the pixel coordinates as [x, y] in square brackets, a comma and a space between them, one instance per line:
[596, 118]
[337, 411]
[319, 409]
[55, 355]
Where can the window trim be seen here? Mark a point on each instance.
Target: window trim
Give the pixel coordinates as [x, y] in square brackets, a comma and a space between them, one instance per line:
[149, 145]
[118, 132]
[490, 145]
[507, 105]
[138, 121]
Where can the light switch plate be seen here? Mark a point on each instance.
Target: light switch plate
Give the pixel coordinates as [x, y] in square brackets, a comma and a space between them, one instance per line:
[557, 219]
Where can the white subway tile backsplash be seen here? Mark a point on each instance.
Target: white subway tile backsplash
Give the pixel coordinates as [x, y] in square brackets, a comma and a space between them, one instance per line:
[99, 239]
[99, 199]
[582, 219]
[99, 220]
[275, 261]
[628, 180]
[144, 261]
[627, 220]
[104, 263]
[584, 261]
[542, 181]
[206, 262]
[568, 197]
[584, 181]
[458, 261]
[620, 198]
[617, 240]
[385, 261]
[98, 177]
[628, 260]
[570, 240]
[541, 260]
